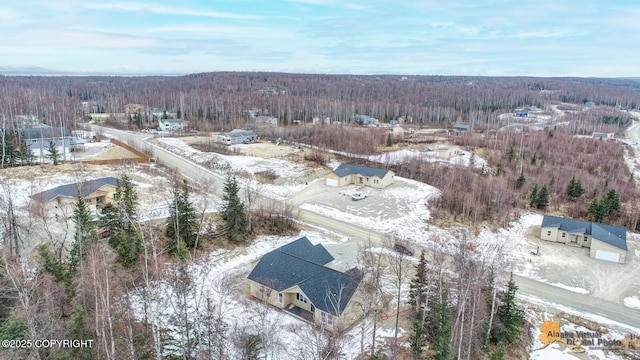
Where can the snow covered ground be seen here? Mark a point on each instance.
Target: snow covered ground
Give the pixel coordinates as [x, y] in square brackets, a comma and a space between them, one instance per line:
[401, 209]
[292, 176]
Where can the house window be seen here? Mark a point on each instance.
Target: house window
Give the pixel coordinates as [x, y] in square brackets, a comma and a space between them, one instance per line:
[301, 298]
[549, 233]
[375, 181]
[326, 318]
[564, 235]
[586, 239]
[367, 179]
[280, 298]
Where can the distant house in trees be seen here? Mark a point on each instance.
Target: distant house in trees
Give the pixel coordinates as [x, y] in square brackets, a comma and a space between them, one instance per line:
[267, 120]
[321, 120]
[295, 278]
[365, 120]
[170, 124]
[398, 132]
[606, 242]
[522, 113]
[40, 138]
[155, 114]
[97, 193]
[360, 175]
[237, 136]
[603, 135]
[447, 152]
[462, 127]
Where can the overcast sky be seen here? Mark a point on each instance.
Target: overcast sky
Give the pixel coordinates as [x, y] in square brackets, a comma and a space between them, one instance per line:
[598, 38]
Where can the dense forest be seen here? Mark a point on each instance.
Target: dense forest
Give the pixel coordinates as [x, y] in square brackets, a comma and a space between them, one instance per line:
[220, 100]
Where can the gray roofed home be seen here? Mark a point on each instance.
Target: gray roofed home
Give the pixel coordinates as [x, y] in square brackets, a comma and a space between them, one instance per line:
[238, 136]
[606, 242]
[294, 278]
[461, 127]
[96, 192]
[40, 138]
[359, 175]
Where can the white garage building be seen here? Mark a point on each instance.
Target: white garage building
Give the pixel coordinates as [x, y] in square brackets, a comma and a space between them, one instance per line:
[605, 242]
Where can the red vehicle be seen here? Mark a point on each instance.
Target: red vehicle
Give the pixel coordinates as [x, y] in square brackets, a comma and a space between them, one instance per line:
[103, 232]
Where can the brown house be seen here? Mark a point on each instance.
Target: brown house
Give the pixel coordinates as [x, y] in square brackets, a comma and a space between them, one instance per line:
[360, 175]
[294, 278]
[97, 193]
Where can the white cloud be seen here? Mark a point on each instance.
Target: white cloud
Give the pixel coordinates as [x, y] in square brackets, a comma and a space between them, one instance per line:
[168, 10]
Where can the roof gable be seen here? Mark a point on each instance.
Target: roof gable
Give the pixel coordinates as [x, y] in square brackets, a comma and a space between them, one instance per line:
[301, 264]
[84, 189]
[610, 234]
[351, 169]
[44, 133]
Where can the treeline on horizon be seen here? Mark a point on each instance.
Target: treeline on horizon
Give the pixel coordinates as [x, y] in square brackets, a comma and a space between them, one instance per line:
[215, 101]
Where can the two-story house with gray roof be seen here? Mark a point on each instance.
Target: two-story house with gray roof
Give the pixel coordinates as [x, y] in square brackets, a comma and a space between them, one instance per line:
[360, 175]
[295, 278]
[605, 242]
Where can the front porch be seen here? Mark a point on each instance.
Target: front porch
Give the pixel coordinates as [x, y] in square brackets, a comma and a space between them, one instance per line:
[300, 313]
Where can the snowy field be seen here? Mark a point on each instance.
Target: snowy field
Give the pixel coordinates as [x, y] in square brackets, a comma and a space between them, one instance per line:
[292, 176]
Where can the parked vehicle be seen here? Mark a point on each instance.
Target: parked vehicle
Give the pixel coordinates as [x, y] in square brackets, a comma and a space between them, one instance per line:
[358, 196]
[403, 249]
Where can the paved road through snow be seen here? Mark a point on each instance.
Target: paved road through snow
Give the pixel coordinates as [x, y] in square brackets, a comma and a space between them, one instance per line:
[359, 236]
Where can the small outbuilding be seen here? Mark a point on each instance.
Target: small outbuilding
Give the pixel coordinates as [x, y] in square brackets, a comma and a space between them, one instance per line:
[461, 127]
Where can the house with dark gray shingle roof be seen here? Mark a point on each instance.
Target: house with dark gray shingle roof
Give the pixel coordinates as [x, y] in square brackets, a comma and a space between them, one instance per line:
[359, 175]
[295, 278]
[97, 193]
[605, 242]
[40, 138]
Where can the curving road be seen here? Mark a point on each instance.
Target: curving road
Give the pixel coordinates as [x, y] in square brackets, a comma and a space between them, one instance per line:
[359, 236]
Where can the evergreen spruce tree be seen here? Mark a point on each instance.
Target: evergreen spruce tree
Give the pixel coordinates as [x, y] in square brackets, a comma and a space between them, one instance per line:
[597, 210]
[121, 219]
[418, 290]
[612, 204]
[521, 180]
[533, 196]
[54, 154]
[575, 189]
[542, 200]
[441, 343]
[181, 225]
[85, 232]
[512, 154]
[13, 328]
[389, 140]
[129, 245]
[26, 154]
[534, 159]
[499, 353]
[233, 213]
[9, 153]
[510, 319]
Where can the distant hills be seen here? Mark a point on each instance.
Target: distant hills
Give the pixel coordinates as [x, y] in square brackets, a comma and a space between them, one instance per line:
[625, 82]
